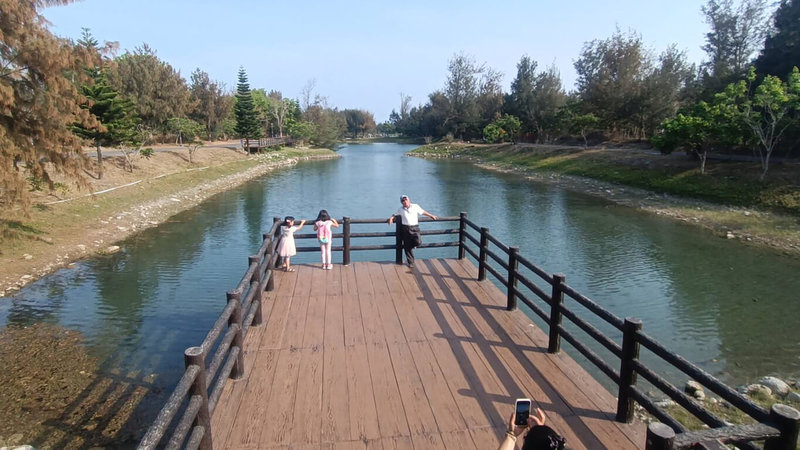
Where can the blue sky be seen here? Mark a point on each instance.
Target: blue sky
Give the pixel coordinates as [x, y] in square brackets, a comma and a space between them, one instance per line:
[363, 54]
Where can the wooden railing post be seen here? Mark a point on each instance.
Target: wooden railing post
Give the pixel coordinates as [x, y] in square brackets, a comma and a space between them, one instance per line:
[659, 437]
[513, 266]
[627, 376]
[258, 277]
[194, 356]
[786, 419]
[346, 242]
[482, 254]
[398, 243]
[236, 320]
[556, 300]
[270, 285]
[462, 235]
[276, 237]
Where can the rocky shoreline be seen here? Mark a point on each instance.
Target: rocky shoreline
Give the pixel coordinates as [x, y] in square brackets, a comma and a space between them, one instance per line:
[690, 211]
[765, 392]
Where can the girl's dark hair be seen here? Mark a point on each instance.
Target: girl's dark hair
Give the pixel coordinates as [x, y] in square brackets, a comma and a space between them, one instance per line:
[287, 220]
[323, 215]
[542, 437]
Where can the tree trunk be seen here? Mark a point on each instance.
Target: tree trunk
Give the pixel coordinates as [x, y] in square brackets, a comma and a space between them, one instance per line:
[99, 162]
[702, 156]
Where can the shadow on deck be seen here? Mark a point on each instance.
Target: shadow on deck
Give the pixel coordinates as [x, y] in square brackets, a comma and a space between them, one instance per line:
[376, 355]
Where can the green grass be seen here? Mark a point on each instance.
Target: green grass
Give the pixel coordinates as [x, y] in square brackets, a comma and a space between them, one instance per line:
[734, 184]
[725, 411]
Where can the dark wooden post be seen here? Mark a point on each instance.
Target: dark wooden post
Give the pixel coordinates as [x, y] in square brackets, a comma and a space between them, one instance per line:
[659, 437]
[786, 419]
[482, 253]
[462, 235]
[346, 242]
[258, 276]
[627, 376]
[398, 243]
[193, 356]
[556, 300]
[277, 236]
[513, 266]
[236, 320]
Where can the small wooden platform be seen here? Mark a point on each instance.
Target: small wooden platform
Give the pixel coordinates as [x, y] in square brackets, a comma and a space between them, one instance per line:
[377, 355]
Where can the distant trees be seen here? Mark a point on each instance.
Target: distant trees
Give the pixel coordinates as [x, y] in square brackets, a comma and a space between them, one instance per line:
[767, 109]
[749, 111]
[189, 133]
[326, 125]
[502, 129]
[115, 113]
[461, 90]
[209, 103]
[156, 87]
[619, 82]
[247, 126]
[781, 50]
[737, 32]
[359, 122]
[521, 100]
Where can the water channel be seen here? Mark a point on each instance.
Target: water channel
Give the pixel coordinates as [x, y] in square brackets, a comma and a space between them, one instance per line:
[728, 307]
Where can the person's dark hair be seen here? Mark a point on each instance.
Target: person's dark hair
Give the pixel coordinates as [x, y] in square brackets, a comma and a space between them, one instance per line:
[323, 215]
[287, 220]
[542, 437]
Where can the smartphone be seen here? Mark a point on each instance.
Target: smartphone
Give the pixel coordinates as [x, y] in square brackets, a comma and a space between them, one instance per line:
[523, 410]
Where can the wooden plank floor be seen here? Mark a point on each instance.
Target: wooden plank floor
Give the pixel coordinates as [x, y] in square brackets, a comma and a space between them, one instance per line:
[376, 355]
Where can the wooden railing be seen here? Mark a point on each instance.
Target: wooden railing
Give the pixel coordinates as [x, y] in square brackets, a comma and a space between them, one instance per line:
[553, 301]
[266, 142]
[198, 391]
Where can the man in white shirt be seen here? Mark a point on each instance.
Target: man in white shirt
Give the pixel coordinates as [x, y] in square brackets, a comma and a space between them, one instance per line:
[409, 226]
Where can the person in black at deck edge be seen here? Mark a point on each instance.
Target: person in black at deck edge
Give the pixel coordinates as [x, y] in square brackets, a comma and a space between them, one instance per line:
[409, 226]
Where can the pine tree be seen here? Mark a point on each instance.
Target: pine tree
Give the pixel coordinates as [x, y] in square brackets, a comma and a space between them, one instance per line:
[782, 47]
[115, 114]
[247, 126]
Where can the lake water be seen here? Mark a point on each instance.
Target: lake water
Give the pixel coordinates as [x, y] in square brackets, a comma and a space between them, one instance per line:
[728, 307]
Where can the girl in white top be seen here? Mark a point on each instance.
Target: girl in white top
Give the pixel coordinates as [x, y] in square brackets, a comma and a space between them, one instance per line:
[286, 247]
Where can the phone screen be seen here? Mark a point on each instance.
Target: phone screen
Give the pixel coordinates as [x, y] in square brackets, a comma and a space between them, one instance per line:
[523, 410]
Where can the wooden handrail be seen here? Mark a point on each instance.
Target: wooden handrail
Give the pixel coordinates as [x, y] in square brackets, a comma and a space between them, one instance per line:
[778, 427]
[627, 351]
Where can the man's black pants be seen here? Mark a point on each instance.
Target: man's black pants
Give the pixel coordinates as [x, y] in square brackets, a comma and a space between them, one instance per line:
[411, 238]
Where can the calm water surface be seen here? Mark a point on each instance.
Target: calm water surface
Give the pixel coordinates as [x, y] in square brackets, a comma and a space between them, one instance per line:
[725, 306]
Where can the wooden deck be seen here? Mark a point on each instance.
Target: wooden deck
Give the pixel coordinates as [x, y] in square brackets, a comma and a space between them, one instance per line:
[377, 355]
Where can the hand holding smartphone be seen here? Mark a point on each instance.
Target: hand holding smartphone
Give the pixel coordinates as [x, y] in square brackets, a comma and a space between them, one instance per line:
[522, 411]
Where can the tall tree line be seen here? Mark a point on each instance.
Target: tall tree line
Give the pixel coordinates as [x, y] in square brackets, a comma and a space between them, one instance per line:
[57, 95]
[627, 91]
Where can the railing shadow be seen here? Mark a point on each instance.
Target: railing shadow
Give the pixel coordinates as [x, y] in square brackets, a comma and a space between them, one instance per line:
[497, 365]
[114, 410]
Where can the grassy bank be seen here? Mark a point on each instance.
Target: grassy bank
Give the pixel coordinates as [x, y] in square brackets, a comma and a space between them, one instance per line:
[75, 224]
[729, 199]
[729, 183]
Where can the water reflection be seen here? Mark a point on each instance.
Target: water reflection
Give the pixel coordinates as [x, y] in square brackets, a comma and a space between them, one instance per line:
[711, 300]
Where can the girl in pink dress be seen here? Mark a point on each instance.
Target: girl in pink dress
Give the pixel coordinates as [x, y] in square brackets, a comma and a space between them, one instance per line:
[286, 246]
[323, 226]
